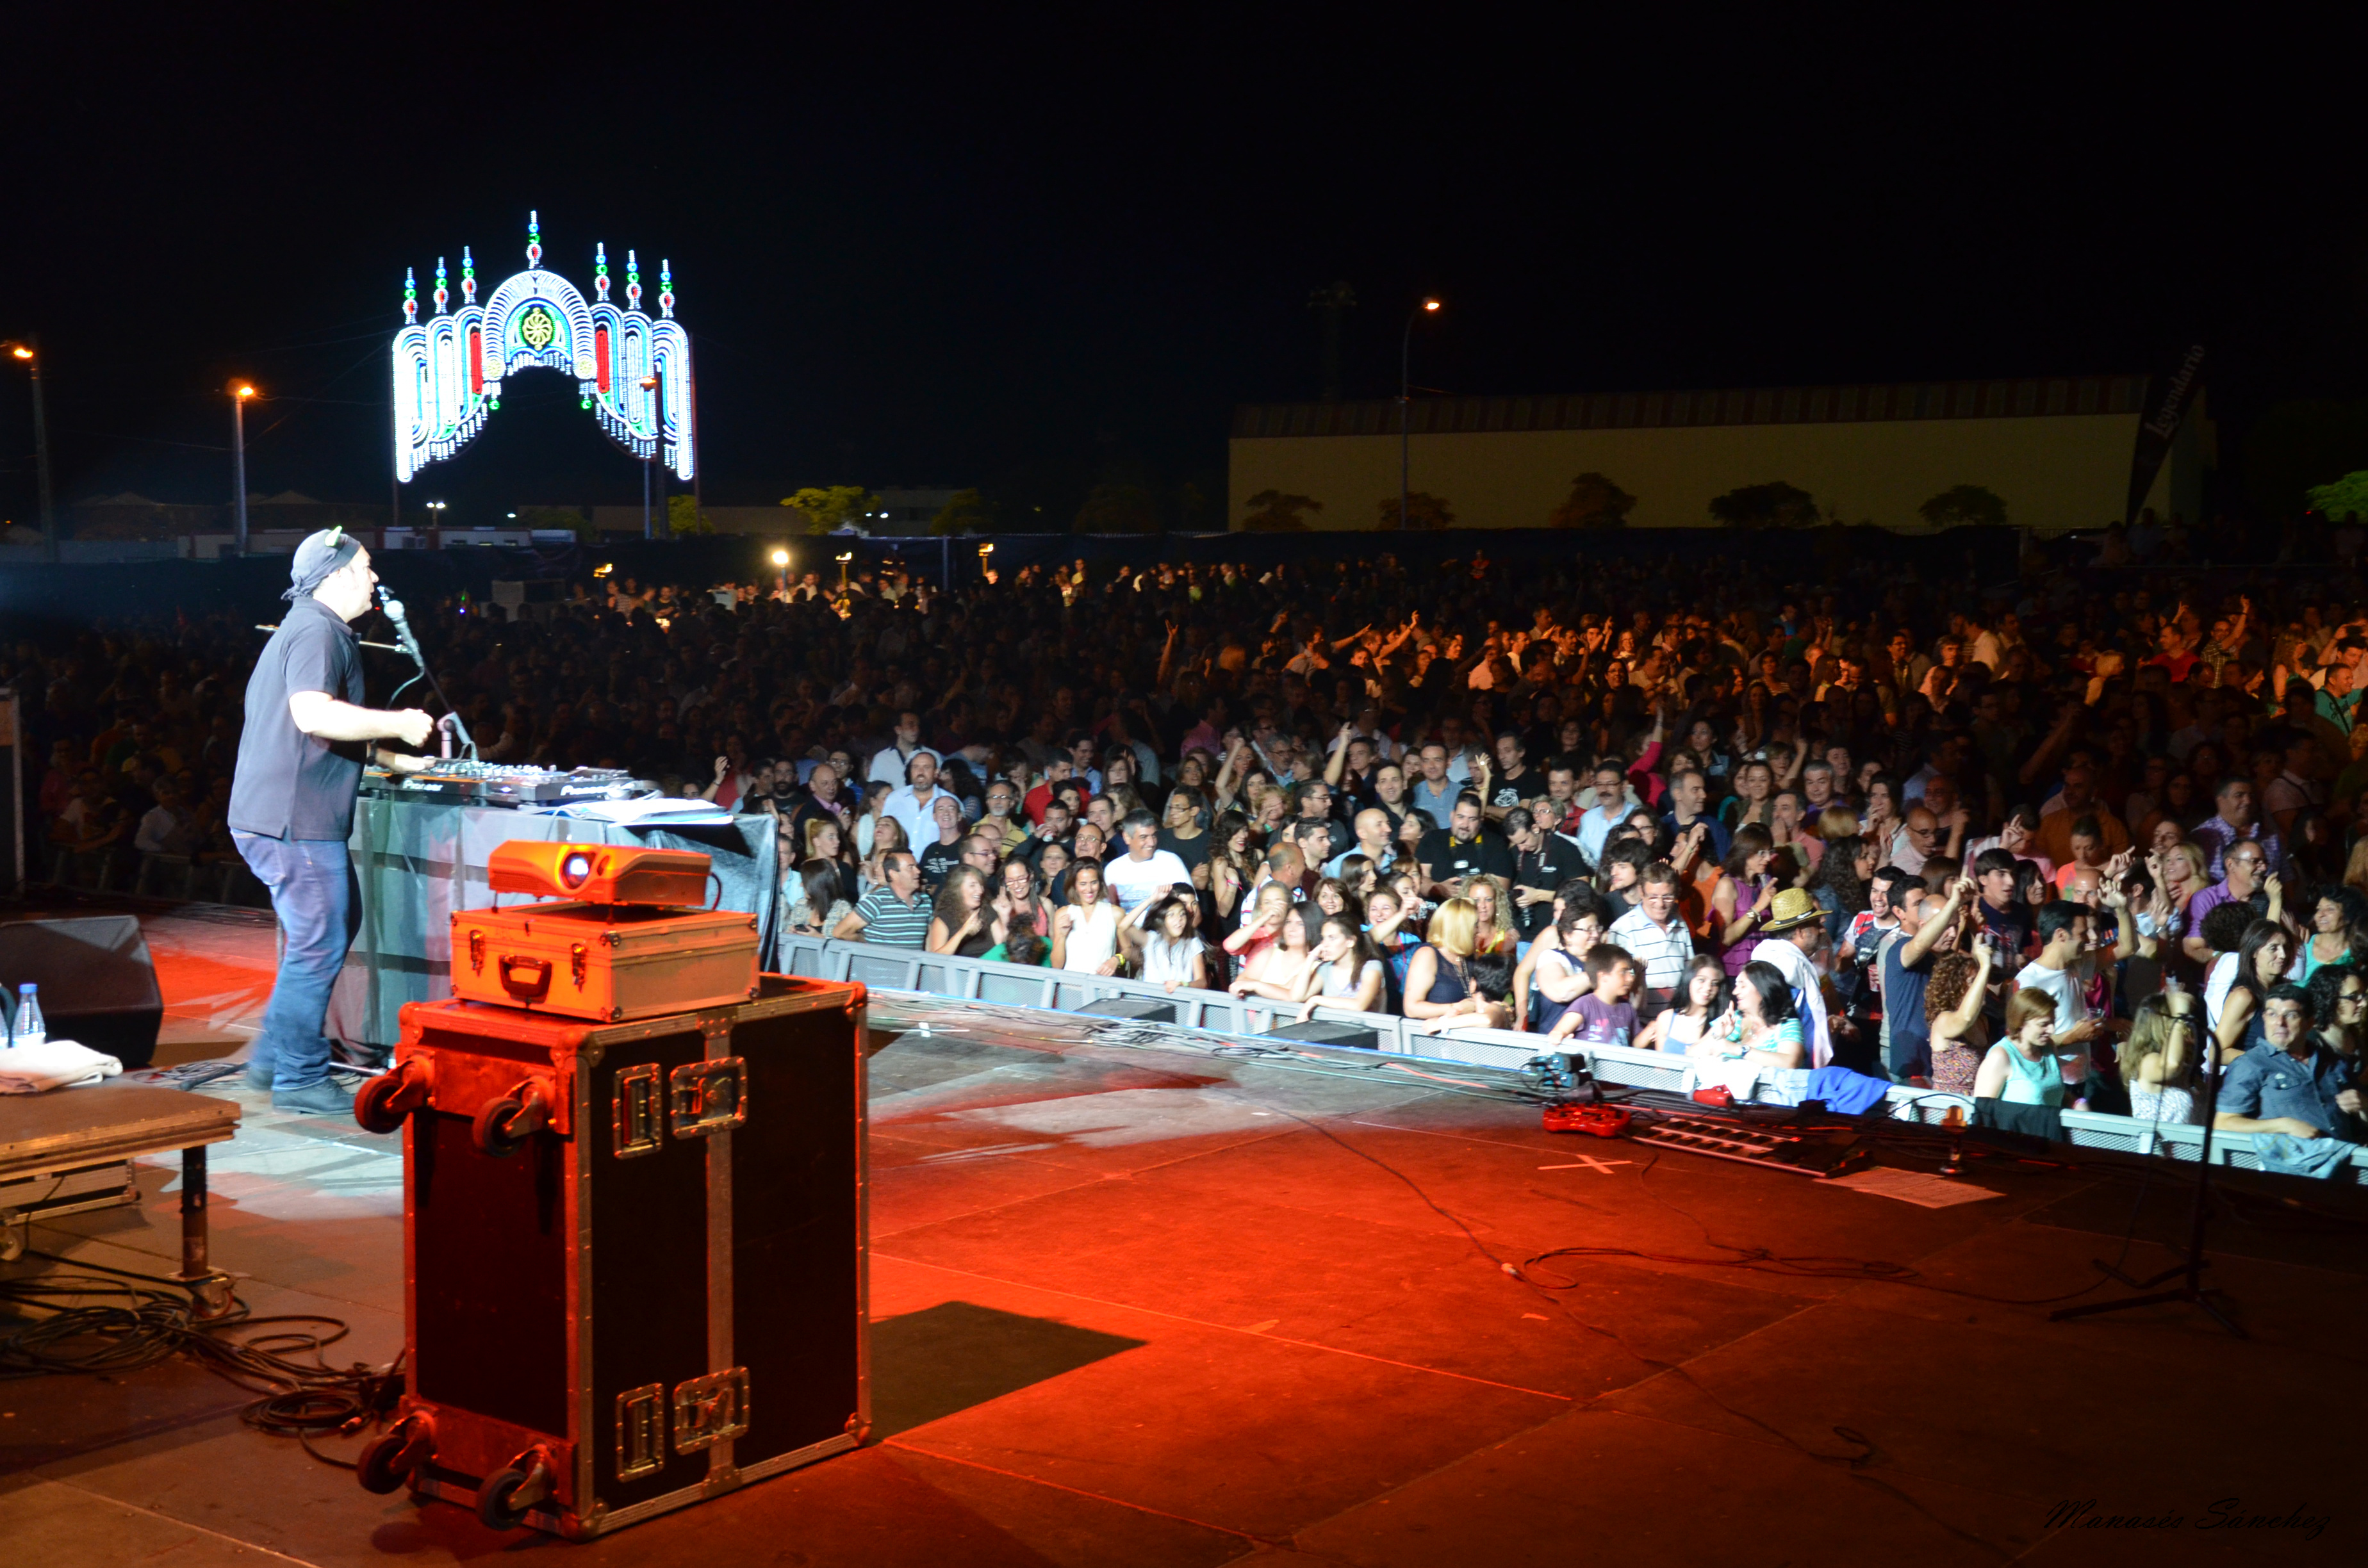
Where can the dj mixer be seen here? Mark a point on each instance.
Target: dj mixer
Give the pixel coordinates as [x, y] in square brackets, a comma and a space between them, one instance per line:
[508, 784]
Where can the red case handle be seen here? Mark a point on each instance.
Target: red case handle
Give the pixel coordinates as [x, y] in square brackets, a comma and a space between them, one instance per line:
[512, 966]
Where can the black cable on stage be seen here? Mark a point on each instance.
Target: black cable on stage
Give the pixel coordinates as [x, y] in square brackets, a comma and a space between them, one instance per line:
[126, 1320]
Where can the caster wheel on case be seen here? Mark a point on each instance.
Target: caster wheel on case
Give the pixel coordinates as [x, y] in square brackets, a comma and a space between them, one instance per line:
[494, 1510]
[380, 1469]
[371, 1109]
[492, 1131]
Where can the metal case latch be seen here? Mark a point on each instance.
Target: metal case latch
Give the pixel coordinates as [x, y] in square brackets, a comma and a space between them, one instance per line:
[708, 1410]
[710, 1095]
[639, 1117]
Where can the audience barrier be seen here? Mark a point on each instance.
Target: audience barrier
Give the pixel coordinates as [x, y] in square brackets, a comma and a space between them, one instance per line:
[1245, 1019]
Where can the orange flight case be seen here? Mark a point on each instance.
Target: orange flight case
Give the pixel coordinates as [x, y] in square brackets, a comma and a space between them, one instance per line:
[611, 962]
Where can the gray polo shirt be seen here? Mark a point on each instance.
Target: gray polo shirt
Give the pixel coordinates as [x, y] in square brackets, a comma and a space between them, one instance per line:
[289, 784]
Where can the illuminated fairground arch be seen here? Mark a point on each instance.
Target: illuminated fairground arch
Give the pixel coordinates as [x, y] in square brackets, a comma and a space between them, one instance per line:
[633, 370]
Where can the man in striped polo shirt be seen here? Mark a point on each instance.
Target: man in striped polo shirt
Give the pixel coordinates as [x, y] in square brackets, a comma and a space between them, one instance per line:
[893, 914]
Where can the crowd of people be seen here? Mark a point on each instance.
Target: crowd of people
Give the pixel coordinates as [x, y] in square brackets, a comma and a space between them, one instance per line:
[2054, 846]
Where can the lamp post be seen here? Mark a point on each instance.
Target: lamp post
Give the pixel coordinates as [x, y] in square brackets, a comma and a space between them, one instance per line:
[782, 570]
[436, 510]
[986, 561]
[241, 393]
[844, 557]
[29, 354]
[1406, 394]
[649, 530]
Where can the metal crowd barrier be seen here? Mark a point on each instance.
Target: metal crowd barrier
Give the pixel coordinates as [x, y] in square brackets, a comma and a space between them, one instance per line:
[1246, 1019]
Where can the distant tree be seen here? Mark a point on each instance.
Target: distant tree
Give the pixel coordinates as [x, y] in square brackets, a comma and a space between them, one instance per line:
[1423, 511]
[1595, 503]
[1117, 509]
[967, 513]
[1964, 505]
[1198, 511]
[1774, 505]
[831, 508]
[2296, 445]
[1274, 512]
[2347, 497]
[683, 516]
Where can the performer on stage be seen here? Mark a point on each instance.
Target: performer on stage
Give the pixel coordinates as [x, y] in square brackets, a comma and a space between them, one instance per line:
[291, 805]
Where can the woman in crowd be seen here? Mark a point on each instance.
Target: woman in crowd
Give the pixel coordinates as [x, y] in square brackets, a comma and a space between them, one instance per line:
[2023, 1068]
[1744, 891]
[1492, 901]
[2179, 872]
[1275, 969]
[1884, 827]
[2338, 932]
[1386, 929]
[868, 819]
[2160, 1055]
[1954, 995]
[1233, 869]
[1840, 881]
[1160, 936]
[1440, 988]
[2338, 1004]
[819, 903]
[1693, 1014]
[887, 837]
[1261, 927]
[1030, 916]
[1556, 974]
[1760, 1026]
[1332, 897]
[1347, 972]
[1085, 932]
[2261, 960]
[969, 920]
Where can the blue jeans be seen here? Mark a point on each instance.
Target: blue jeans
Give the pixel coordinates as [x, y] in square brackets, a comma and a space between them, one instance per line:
[314, 896]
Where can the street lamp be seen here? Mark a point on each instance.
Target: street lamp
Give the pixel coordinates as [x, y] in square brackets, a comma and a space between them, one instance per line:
[436, 510]
[986, 561]
[781, 569]
[844, 557]
[649, 384]
[30, 355]
[1406, 394]
[241, 392]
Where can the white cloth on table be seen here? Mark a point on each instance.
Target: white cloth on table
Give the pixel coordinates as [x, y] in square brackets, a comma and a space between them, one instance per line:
[54, 1064]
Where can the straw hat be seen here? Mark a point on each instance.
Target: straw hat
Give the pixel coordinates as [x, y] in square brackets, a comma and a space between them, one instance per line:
[1791, 910]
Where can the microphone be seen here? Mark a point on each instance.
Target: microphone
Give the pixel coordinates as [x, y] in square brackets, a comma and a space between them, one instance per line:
[393, 607]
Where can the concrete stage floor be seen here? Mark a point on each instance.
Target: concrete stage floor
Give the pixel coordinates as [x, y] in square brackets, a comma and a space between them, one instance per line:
[1137, 1304]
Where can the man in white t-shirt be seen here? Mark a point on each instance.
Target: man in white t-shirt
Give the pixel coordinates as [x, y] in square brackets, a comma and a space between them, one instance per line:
[1145, 871]
[2066, 968]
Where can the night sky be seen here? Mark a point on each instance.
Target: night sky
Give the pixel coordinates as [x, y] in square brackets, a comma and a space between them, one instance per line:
[1032, 254]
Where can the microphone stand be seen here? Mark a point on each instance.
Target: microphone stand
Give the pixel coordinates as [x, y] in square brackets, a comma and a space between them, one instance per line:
[2193, 1264]
[394, 613]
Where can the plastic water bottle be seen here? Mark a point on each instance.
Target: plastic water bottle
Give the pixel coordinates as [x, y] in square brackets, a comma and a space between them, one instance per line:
[30, 1029]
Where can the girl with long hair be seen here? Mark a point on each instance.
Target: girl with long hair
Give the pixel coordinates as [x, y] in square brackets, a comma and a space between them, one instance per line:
[1701, 997]
[2261, 960]
[1347, 971]
[971, 919]
[1277, 968]
[1744, 893]
[2159, 1054]
[1953, 995]
[818, 904]
[1085, 931]
[1028, 919]
[888, 835]
[1233, 869]
[1167, 953]
[1761, 1025]
[2338, 932]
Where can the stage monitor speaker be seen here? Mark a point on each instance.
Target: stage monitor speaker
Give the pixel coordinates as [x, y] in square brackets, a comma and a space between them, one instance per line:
[1133, 1009]
[99, 985]
[1323, 1031]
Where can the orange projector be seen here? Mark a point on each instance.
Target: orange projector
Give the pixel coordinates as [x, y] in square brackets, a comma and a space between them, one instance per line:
[600, 873]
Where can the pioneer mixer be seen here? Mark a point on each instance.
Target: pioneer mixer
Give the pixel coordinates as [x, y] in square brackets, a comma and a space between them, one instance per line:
[508, 784]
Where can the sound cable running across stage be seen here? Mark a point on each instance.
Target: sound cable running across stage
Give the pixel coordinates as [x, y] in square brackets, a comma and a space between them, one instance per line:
[291, 805]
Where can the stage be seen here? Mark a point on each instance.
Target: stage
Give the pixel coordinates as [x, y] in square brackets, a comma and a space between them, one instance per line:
[1138, 1302]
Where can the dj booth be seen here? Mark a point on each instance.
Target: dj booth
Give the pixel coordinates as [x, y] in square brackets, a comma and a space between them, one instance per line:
[418, 859]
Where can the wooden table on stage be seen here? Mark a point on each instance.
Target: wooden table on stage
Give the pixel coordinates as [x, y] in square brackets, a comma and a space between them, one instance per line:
[53, 1135]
